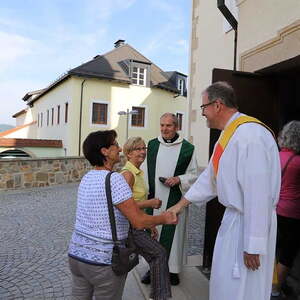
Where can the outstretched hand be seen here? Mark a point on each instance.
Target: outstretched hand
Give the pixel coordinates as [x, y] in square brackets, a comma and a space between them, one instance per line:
[155, 203]
[170, 217]
[175, 209]
[251, 261]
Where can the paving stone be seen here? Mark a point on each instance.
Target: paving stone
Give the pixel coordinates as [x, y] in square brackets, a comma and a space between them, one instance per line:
[38, 225]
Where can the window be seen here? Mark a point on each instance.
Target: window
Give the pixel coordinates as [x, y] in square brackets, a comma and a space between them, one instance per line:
[52, 116]
[180, 86]
[138, 119]
[139, 76]
[99, 114]
[66, 112]
[38, 119]
[47, 117]
[58, 114]
[180, 119]
[41, 119]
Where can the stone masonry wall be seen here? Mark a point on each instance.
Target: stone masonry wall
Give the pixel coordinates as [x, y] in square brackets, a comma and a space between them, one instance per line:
[27, 173]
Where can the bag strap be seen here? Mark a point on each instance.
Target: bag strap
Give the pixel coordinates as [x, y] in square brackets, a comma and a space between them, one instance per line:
[110, 208]
[289, 160]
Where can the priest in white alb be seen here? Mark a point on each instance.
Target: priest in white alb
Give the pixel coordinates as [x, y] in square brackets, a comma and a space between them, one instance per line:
[171, 170]
[244, 172]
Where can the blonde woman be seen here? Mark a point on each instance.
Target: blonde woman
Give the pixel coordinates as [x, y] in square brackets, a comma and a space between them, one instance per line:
[155, 254]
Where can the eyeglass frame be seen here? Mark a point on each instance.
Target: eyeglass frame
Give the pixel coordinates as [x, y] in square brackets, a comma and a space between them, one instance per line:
[140, 149]
[203, 106]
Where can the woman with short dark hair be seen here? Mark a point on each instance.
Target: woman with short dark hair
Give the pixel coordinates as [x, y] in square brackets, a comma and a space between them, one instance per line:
[91, 245]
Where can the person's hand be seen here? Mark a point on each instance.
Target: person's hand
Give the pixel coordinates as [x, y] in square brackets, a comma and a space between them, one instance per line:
[169, 217]
[155, 203]
[251, 261]
[176, 209]
[172, 181]
[154, 233]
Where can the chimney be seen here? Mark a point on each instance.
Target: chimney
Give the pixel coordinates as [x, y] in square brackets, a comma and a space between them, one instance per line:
[119, 43]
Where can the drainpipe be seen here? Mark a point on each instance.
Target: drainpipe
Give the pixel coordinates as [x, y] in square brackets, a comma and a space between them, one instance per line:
[80, 117]
[234, 24]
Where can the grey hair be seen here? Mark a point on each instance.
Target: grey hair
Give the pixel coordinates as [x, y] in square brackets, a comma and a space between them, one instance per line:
[173, 116]
[289, 137]
[224, 91]
[131, 143]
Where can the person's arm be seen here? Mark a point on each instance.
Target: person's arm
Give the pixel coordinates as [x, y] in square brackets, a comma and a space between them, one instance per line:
[254, 175]
[129, 178]
[185, 180]
[179, 206]
[190, 176]
[140, 220]
[152, 203]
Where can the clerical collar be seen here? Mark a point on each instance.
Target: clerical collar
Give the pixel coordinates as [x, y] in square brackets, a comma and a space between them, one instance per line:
[169, 141]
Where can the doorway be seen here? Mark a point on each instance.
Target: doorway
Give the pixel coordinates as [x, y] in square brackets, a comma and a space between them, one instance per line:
[272, 95]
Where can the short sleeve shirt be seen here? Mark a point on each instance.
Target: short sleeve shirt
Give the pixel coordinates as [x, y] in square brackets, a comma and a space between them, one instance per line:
[92, 240]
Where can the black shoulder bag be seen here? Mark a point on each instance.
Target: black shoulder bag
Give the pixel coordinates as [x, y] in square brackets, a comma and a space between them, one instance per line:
[124, 259]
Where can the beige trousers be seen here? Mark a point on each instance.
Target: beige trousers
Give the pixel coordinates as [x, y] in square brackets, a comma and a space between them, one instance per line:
[98, 281]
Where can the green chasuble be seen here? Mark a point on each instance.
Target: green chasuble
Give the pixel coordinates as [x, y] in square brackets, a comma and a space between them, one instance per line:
[185, 156]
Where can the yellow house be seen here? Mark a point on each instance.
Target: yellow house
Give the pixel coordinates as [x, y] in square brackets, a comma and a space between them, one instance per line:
[266, 59]
[121, 90]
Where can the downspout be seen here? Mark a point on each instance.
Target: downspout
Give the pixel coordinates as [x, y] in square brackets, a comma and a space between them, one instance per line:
[234, 24]
[80, 118]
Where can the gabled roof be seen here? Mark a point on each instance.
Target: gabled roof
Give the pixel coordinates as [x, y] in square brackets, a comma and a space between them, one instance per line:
[21, 112]
[112, 66]
[109, 66]
[32, 94]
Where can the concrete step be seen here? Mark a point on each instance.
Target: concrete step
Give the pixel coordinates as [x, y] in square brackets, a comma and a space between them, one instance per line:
[193, 284]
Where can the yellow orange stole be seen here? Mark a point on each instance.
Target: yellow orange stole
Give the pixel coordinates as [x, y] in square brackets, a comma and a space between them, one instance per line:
[227, 134]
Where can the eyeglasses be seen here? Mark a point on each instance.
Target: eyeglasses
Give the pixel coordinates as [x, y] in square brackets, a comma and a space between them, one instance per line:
[202, 107]
[139, 149]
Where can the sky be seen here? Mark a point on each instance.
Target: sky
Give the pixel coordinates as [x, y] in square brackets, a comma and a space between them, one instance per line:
[40, 40]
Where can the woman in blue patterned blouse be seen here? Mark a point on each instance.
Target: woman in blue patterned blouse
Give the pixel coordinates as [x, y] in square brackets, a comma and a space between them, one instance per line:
[90, 248]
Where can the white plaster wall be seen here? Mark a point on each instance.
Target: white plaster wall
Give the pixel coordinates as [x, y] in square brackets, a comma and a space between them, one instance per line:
[260, 20]
[211, 48]
[57, 96]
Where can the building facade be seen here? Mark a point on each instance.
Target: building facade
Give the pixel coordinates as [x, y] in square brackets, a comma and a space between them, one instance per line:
[267, 60]
[121, 90]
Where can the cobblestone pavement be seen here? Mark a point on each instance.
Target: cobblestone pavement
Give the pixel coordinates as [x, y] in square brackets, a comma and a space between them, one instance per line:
[36, 226]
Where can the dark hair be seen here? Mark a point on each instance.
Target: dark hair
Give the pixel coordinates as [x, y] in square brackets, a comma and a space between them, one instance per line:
[94, 142]
[224, 91]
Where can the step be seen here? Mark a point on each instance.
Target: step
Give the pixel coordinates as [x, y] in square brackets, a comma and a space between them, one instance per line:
[193, 284]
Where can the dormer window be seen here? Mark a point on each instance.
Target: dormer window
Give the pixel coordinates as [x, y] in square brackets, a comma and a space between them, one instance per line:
[180, 85]
[139, 76]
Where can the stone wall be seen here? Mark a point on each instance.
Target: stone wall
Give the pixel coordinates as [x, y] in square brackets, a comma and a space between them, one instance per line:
[27, 173]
